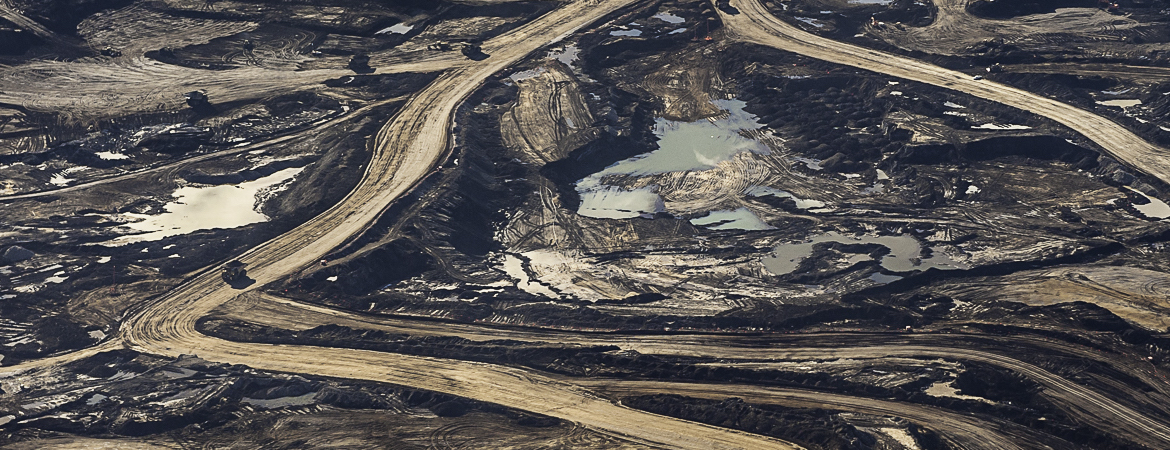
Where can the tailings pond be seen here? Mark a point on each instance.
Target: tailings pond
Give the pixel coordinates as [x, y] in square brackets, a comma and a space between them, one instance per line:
[905, 253]
[682, 147]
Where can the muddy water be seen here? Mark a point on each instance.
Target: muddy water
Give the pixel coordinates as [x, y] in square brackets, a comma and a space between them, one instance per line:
[1155, 209]
[905, 253]
[567, 55]
[669, 18]
[881, 278]
[738, 219]
[204, 208]
[683, 147]
[611, 202]
[699, 145]
[762, 191]
[300, 400]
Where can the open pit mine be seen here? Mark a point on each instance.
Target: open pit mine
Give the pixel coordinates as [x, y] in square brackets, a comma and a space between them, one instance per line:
[585, 224]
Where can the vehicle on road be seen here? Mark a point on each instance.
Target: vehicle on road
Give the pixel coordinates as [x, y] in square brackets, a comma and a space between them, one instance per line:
[234, 271]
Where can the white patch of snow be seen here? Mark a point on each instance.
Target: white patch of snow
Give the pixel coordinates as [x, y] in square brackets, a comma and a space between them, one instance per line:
[110, 155]
[204, 208]
[1001, 126]
[514, 267]
[1121, 103]
[400, 28]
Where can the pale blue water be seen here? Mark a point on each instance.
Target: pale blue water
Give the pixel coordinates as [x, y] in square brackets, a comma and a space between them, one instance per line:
[905, 253]
[699, 145]
[738, 219]
[625, 33]
[669, 18]
[682, 147]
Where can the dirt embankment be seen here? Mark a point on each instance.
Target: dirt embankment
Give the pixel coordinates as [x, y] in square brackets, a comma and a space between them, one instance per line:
[932, 147]
[62, 16]
[196, 402]
[1016, 398]
[88, 287]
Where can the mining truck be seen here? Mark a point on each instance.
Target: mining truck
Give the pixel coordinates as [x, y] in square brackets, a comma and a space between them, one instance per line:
[196, 99]
[473, 52]
[360, 63]
[234, 271]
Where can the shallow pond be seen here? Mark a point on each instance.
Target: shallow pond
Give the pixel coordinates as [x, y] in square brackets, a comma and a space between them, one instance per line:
[611, 202]
[905, 253]
[669, 18]
[1155, 209]
[205, 208]
[682, 147]
[738, 219]
[514, 267]
[300, 400]
[567, 55]
[699, 145]
[763, 191]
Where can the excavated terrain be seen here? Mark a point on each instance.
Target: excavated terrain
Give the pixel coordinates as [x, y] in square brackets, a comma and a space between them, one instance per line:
[584, 224]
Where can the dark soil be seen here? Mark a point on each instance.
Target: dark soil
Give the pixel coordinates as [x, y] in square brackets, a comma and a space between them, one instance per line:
[62, 16]
[222, 395]
[813, 428]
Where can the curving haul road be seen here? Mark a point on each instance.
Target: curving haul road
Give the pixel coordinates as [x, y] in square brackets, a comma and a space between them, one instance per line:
[1082, 402]
[754, 24]
[406, 150]
[416, 140]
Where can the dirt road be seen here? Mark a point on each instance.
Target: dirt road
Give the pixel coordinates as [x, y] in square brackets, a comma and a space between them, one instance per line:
[1089, 405]
[754, 24]
[417, 139]
[1120, 71]
[406, 150]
